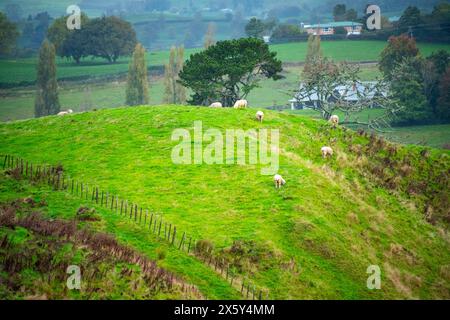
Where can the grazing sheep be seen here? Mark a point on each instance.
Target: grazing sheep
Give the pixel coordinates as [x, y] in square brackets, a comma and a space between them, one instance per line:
[260, 116]
[334, 120]
[241, 104]
[327, 152]
[216, 105]
[279, 181]
[63, 113]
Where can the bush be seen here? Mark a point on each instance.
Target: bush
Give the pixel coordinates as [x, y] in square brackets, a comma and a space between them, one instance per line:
[204, 247]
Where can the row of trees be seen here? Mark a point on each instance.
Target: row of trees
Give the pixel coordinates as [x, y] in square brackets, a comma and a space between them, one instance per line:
[47, 99]
[419, 84]
[105, 37]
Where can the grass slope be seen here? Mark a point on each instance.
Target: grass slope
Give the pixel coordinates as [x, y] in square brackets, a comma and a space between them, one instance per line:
[332, 220]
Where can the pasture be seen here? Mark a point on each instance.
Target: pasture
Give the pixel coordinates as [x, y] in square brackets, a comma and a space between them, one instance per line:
[315, 222]
[16, 71]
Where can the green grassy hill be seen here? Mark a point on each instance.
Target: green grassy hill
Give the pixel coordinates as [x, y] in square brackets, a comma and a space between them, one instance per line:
[373, 203]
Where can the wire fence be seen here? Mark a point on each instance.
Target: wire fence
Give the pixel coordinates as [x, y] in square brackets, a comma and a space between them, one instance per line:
[152, 221]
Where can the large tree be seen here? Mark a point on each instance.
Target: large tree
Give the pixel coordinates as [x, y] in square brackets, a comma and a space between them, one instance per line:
[410, 18]
[68, 43]
[229, 70]
[339, 11]
[408, 89]
[109, 37]
[137, 81]
[255, 28]
[46, 101]
[174, 92]
[397, 49]
[8, 34]
[443, 107]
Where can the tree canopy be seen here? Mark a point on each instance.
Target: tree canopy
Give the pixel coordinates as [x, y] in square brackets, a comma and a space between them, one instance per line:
[105, 37]
[229, 70]
[8, 34]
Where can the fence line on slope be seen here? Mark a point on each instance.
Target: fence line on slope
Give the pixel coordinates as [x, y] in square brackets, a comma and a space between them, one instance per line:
[54, 176]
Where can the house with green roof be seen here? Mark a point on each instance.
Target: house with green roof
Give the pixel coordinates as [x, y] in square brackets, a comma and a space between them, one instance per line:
[352, 28]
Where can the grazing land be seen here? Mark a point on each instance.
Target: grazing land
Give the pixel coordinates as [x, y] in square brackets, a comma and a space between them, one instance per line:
[314, 238]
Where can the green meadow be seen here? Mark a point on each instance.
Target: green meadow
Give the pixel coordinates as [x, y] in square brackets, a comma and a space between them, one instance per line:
[331, 221]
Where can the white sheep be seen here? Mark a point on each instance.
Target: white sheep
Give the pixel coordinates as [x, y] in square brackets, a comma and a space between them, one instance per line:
[334, 120]
[216, 105]
[260, 116]
[241, 104]
[279, 181]
[63, 113]
[327, 152]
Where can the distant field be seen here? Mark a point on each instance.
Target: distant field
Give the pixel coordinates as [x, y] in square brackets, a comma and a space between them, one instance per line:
[436, 136]
[20, 70]
[18, 103]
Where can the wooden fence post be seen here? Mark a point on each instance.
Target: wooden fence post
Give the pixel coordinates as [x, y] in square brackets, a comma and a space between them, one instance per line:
[182, 241]
[168, 235]
[131, 211]
[4, 162]
[151, 220]
[159, 230]
[189, 245]
[121, 206]
[112, 202]
[174, 234]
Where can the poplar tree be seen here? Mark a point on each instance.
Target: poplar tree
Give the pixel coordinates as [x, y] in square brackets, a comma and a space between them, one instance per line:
[46, 101]
[174, 92]
[137, 81]
[313, 54]
[210, 36]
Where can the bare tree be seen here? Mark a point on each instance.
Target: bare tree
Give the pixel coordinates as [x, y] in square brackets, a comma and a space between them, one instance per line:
[329, 87]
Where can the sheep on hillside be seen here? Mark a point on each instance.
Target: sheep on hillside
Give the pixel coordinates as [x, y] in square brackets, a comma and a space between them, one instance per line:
[241, 104]
[63, 113]
[260, 116]
[334, 120]
[279, 181]
[327, 152]
[216, 105]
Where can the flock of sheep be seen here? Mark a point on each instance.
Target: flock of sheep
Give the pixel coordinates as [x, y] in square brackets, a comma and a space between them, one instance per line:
[242, 104]
[278, 179]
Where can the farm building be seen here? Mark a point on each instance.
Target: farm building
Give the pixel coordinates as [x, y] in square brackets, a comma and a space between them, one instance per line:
[350, 93]
[352, 28]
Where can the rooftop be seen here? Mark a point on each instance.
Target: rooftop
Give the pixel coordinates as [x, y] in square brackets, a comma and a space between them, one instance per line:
[334, 24]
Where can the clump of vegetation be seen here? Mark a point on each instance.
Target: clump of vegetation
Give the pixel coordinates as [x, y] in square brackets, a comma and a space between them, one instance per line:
[87, 214]
[35, 253]
[247, 256]
[204, 248]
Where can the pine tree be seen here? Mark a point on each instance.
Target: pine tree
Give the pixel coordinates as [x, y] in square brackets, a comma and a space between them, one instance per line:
[174, 92]
[46, 101]
[137, 82]
[209, 37]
